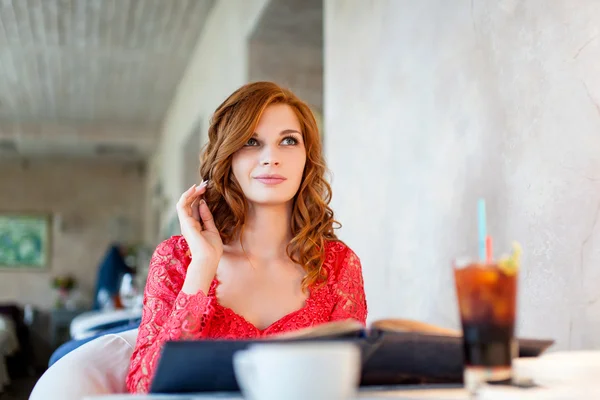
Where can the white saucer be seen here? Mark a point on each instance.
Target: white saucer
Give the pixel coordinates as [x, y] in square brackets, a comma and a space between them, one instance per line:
[560, 368]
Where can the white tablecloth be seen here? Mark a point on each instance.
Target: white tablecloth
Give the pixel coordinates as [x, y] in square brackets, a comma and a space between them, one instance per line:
[9, 343]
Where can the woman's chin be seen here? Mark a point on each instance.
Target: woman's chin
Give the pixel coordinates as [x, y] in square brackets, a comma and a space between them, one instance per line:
[270, 201]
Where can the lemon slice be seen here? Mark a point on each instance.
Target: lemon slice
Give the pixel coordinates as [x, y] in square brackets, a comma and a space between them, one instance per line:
[510, 264]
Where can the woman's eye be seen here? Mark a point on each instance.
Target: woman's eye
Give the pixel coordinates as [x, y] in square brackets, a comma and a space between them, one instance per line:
[252, 142]
[289, 141]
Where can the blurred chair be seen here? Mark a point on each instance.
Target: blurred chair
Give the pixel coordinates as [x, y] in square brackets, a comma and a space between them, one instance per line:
[98, 367]
[96, 332]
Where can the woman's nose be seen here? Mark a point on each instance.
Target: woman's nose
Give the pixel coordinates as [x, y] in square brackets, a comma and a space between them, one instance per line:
[269, 162]
[269, 156]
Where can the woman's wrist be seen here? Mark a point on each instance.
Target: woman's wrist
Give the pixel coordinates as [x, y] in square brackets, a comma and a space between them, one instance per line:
[199, 277]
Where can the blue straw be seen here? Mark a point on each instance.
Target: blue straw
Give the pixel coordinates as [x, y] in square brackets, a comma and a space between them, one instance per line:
[481, 222]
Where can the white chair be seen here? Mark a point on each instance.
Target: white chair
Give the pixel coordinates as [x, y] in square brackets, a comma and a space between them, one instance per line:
[96, 368]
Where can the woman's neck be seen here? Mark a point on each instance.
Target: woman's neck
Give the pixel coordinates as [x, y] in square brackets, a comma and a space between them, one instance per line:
[267, 231]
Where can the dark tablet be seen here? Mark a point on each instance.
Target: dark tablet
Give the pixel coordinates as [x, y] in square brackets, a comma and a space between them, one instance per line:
[196, 366]
[207, 365]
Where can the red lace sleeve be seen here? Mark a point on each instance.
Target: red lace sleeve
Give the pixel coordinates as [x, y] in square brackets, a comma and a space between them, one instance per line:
[168, 313]
[348, 289]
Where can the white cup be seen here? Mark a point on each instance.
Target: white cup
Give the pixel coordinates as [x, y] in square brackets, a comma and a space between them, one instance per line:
[298, 371]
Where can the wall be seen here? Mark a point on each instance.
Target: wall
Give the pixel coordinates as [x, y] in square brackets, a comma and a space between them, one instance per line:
[286, 46]
[297, 67]
[83, 198]
[432, 104]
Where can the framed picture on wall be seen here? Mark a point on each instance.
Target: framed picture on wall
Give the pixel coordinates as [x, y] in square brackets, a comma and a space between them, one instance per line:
[24, 241]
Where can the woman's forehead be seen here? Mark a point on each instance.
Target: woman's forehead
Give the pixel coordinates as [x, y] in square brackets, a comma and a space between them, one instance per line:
[276, 118]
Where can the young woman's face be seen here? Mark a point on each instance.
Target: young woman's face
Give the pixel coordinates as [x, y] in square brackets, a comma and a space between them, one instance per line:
[269, 167]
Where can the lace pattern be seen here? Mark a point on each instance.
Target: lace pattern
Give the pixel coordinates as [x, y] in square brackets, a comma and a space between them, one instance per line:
[169, 314]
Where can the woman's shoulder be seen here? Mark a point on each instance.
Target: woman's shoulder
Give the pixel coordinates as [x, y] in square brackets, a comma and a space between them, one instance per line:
[337, 255]
[336, 246]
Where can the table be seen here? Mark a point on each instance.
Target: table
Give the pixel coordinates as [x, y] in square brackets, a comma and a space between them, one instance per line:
[567, 375]
[409, 393]
[89, 323]
[406, 393]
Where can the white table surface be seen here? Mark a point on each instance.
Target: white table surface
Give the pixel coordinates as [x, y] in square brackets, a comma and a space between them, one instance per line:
[567, 376]
[407, 393]
[411, 393]
[83, 325]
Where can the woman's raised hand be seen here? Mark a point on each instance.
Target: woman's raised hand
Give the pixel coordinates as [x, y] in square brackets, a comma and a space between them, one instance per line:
[199, 230]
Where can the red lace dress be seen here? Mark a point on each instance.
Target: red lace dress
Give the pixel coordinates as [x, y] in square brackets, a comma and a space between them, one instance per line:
[170, 314]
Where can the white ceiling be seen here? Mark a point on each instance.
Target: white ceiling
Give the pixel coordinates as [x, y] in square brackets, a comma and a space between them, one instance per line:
[78, 73]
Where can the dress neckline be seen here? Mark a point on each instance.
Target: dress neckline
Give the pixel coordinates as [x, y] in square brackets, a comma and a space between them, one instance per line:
[213, 291]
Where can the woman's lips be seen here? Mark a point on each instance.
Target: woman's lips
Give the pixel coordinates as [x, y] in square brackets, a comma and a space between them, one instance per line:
[270, 179]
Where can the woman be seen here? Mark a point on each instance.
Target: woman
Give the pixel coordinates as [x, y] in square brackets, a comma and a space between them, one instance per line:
[257, 255]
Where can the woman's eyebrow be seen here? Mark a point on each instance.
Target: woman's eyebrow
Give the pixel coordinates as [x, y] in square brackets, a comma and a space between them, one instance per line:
[288, 131]
[283, 132]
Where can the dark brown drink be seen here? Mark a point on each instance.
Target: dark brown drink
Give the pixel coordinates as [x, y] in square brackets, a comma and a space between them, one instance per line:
[487, 296]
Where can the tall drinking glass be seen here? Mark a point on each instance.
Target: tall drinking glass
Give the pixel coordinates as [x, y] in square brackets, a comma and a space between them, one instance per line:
[487, 299]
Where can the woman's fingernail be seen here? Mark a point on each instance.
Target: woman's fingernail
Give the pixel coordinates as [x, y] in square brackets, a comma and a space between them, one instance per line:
[202, 201]
[204, 183]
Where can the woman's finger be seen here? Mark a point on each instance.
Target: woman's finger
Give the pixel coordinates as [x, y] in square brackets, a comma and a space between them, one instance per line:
[195, 210]
[198, 190]
[188, 210]
[179, 207]
[207, 218]
[192, 195]
[189, 223]
[186, 194]
[202, 187]
[184, 200]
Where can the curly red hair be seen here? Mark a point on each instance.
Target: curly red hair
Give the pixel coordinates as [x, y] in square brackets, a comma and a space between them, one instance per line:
[232, 125]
